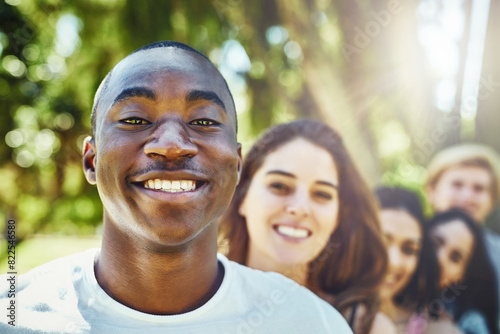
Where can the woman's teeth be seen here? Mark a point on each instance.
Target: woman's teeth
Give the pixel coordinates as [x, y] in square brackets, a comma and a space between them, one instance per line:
[292, 232]
[170, 186]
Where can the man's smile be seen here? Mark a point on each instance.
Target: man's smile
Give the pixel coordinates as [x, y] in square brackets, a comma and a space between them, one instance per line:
[172, 186]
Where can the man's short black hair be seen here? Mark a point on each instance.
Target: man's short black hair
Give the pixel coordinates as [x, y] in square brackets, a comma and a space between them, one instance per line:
[166, 44]
[161, 44]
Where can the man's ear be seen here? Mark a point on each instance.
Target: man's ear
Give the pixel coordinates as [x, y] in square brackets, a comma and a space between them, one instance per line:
[89, 153]
[240, 161]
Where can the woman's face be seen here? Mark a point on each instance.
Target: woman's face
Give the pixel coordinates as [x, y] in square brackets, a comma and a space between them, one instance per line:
[403, 237]
[291, 207]
[454, 245]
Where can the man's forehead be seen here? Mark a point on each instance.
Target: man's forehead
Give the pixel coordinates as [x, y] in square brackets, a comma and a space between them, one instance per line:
[462, 173]
[469, 169]
[150, 67]
[158, 59]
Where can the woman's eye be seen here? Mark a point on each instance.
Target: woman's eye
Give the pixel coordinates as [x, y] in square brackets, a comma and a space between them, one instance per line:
[134, 121]
[279, 187]
[456, 257]
[324, 195]
[410, 250]
[204, 122]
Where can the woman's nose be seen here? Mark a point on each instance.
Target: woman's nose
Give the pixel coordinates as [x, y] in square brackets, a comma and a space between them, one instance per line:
[298, 205]
[394, 257]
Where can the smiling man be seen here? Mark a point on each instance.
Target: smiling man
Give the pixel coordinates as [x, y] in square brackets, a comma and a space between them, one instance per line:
[165, 160]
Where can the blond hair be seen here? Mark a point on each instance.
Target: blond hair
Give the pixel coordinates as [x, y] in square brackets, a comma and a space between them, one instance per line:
[469, 154]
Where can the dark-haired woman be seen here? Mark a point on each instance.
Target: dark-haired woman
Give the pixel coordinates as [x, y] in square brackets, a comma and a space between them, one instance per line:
[301, 209]
[411, 282]
[466, 275]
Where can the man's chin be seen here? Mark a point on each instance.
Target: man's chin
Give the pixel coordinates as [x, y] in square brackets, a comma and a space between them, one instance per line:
[176, 240]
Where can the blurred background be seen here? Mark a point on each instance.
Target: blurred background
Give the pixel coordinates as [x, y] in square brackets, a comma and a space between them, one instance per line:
[399, 80]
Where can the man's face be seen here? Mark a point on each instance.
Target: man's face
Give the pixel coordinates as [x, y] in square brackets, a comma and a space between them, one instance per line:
[165, 157]
[464, 187]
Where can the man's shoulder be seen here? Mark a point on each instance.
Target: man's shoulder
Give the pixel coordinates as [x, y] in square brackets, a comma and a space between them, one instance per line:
[254, 283]
[60, 266]
[48, 292]
[492, 239]
[52, 277]
[493, 235]
[281, 293]
[493, 248]
[259, 281]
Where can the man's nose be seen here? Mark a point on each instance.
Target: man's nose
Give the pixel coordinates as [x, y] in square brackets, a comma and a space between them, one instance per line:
[467, 194]
[171, 140]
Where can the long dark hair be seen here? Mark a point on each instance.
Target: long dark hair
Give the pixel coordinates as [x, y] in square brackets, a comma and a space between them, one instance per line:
[353, 263]
[422, 287]
[480, 287]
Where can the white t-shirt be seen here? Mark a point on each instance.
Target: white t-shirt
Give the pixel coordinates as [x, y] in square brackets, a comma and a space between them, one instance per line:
[63, 296]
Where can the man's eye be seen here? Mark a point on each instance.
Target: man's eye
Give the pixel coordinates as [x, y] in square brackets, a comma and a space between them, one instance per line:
[204, 122]
[134, 121]
[479, 189]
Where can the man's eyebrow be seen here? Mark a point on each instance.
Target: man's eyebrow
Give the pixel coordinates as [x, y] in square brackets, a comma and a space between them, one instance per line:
[280, 172]
[203, 95]
[135, 92]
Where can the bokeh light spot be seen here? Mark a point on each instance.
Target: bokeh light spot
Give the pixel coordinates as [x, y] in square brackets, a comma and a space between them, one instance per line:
[14, 138]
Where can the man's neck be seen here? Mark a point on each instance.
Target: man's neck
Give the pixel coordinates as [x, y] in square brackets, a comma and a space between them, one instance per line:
[159, 282]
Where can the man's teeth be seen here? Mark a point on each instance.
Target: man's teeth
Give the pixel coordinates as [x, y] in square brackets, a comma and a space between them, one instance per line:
[170, 186]
[293, 232]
